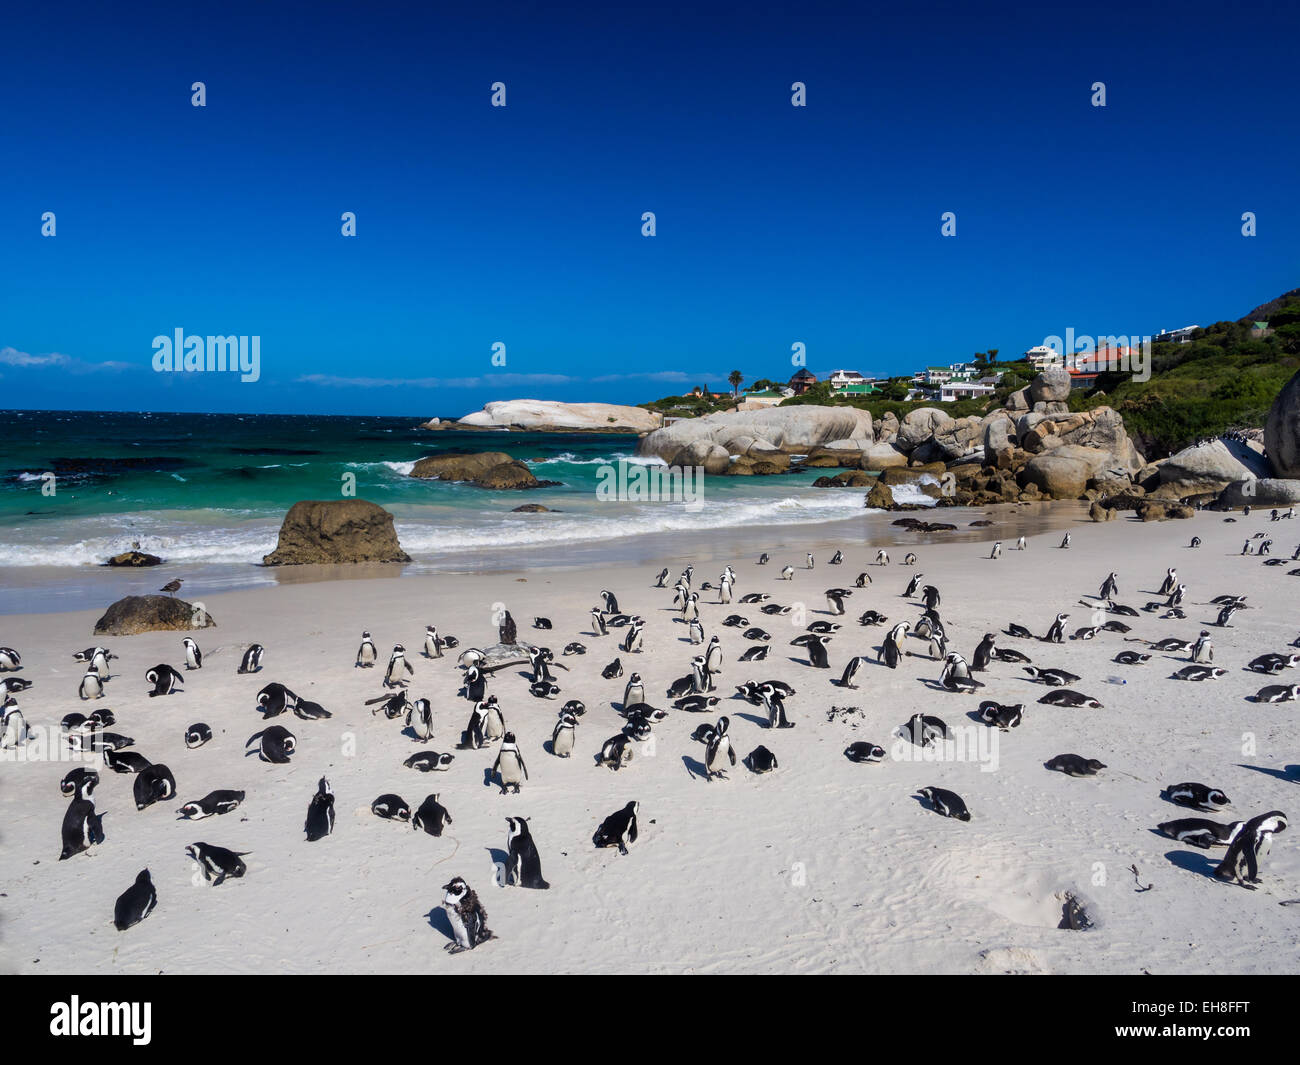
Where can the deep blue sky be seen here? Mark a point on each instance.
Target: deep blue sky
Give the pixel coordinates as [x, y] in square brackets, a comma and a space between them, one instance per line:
[522, 225]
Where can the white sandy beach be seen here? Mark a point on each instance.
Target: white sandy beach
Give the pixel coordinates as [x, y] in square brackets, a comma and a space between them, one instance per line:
[822, 866]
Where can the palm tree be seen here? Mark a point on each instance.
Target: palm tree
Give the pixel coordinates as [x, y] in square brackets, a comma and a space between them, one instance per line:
[734, 378]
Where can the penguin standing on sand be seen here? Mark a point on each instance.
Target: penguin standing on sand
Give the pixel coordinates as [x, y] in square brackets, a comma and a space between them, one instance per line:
[541, 667]
[1167, 585]
[1066, 542]
[1203, 649]
[419, 719]
[320, 812]
[467, 917]
[566, 732]
[983, 653]
[523, 864]
[598, 626]
[509, 766]
[997, 549]
[475, 684]
[164, 679]
[913, 585]
[619, 828]
[1056, 634]
[1109, 587]
[713, 658]
[718, 752]
[891, 652]
[1021, 544]
[835, 599]
[849, 678]
[367, 656]
[252, 660]
[815, 645]
[634, 692]
[92, 686]
[136, 903]
[432, 645]
[193, 656]
[632, 641]
[696, 632]
[1241, 864]
[398, 668]
[507, 632]
[775, 704]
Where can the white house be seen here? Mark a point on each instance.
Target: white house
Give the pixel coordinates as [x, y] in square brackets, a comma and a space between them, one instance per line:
[1043, 357]
[955, 390]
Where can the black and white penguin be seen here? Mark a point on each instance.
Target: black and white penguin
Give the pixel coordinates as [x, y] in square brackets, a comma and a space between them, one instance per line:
[13, 685]
[193, 656]
[136, 903]
[632, 642]
[849, 678]
[696, 704]
[509, 766]
[275, 699]
[544, 690]
[1066, 542]
[213, 803]
[217, 863]
[494, 721]
[1019, 631]
[1001, 716]
[1197, 796]
[913, 585]
[930, 596]
[1196, 542]
[661, 580]
[909, 559]
[872, 617]
[861, 751]
[80, 782]
[760, 760]
[634, 692]
[165, 680]
[391, 807]
[1021, 543]
[475, 681]
[1202, 651]
[430, 761]
[391, 706]
[775, 704]
[863, 579]
[398, 668]
[1056, 634]
[14, 732]
[432, 645]
[507, 631]
[1109, 587]
[836, 558]
[1067, 697]
[367, 656]
[949, 803]
[1075, 765]
[92, 686]
[197, 735]
[598, 626]
[619, 828]
[956, 675]
[923, 730]
[755, 654]
[718, 752]
[1167, 585]
[809, 560]
[1053, 678]
[82, 827]
[1200, 831]
[152, 784]
[125, 761]
[1241, 864]
[615, 752]
[891, 651]
[882, 557]
[320, 812]
[564, 735]
[1273, 663]
[467, 916]
[787, 573]
[275, 744]
[419, 719]
[815, 645]
[10, 660]
[523, 864]
[1278, 693]
[996, 551]
[983, 653]
[251, 662]
[1131, 658]
[432, 816]
[1199, 673]
[1225, 615]
[306, 710]
[835, 599]
[1007, 654]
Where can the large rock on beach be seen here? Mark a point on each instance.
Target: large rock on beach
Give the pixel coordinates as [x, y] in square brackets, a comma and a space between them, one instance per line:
[791, 430]
[1211, 467]
[332, 531]
[152, 613]
[484, 469]
[1282, 430]
[546, 416]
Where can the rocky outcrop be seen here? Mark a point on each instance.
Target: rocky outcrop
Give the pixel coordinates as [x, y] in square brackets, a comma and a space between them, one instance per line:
[330, 531]
[1282, 431]
[546, 416]
[847, 479]
[791, 430]
[1161, 510]
[1262, 492]
[485, 469]
[1064, 472]
[1211, 467]
[882, 456]
[531, 508]
[880, 496]
[134, 558]
[152, 613]
[1050, 386]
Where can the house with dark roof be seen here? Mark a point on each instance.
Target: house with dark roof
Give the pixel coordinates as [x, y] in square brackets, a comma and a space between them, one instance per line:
[802, 381]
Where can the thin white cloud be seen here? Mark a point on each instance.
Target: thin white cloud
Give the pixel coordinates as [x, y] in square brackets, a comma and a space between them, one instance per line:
[487, 381]
[54, 360]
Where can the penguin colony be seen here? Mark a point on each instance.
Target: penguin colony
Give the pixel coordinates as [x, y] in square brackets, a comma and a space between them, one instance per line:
[466, 699]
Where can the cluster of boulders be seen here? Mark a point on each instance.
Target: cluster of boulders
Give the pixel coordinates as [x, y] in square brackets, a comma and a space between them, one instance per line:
[484, 469]
[1035, 448]
[550, 416]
